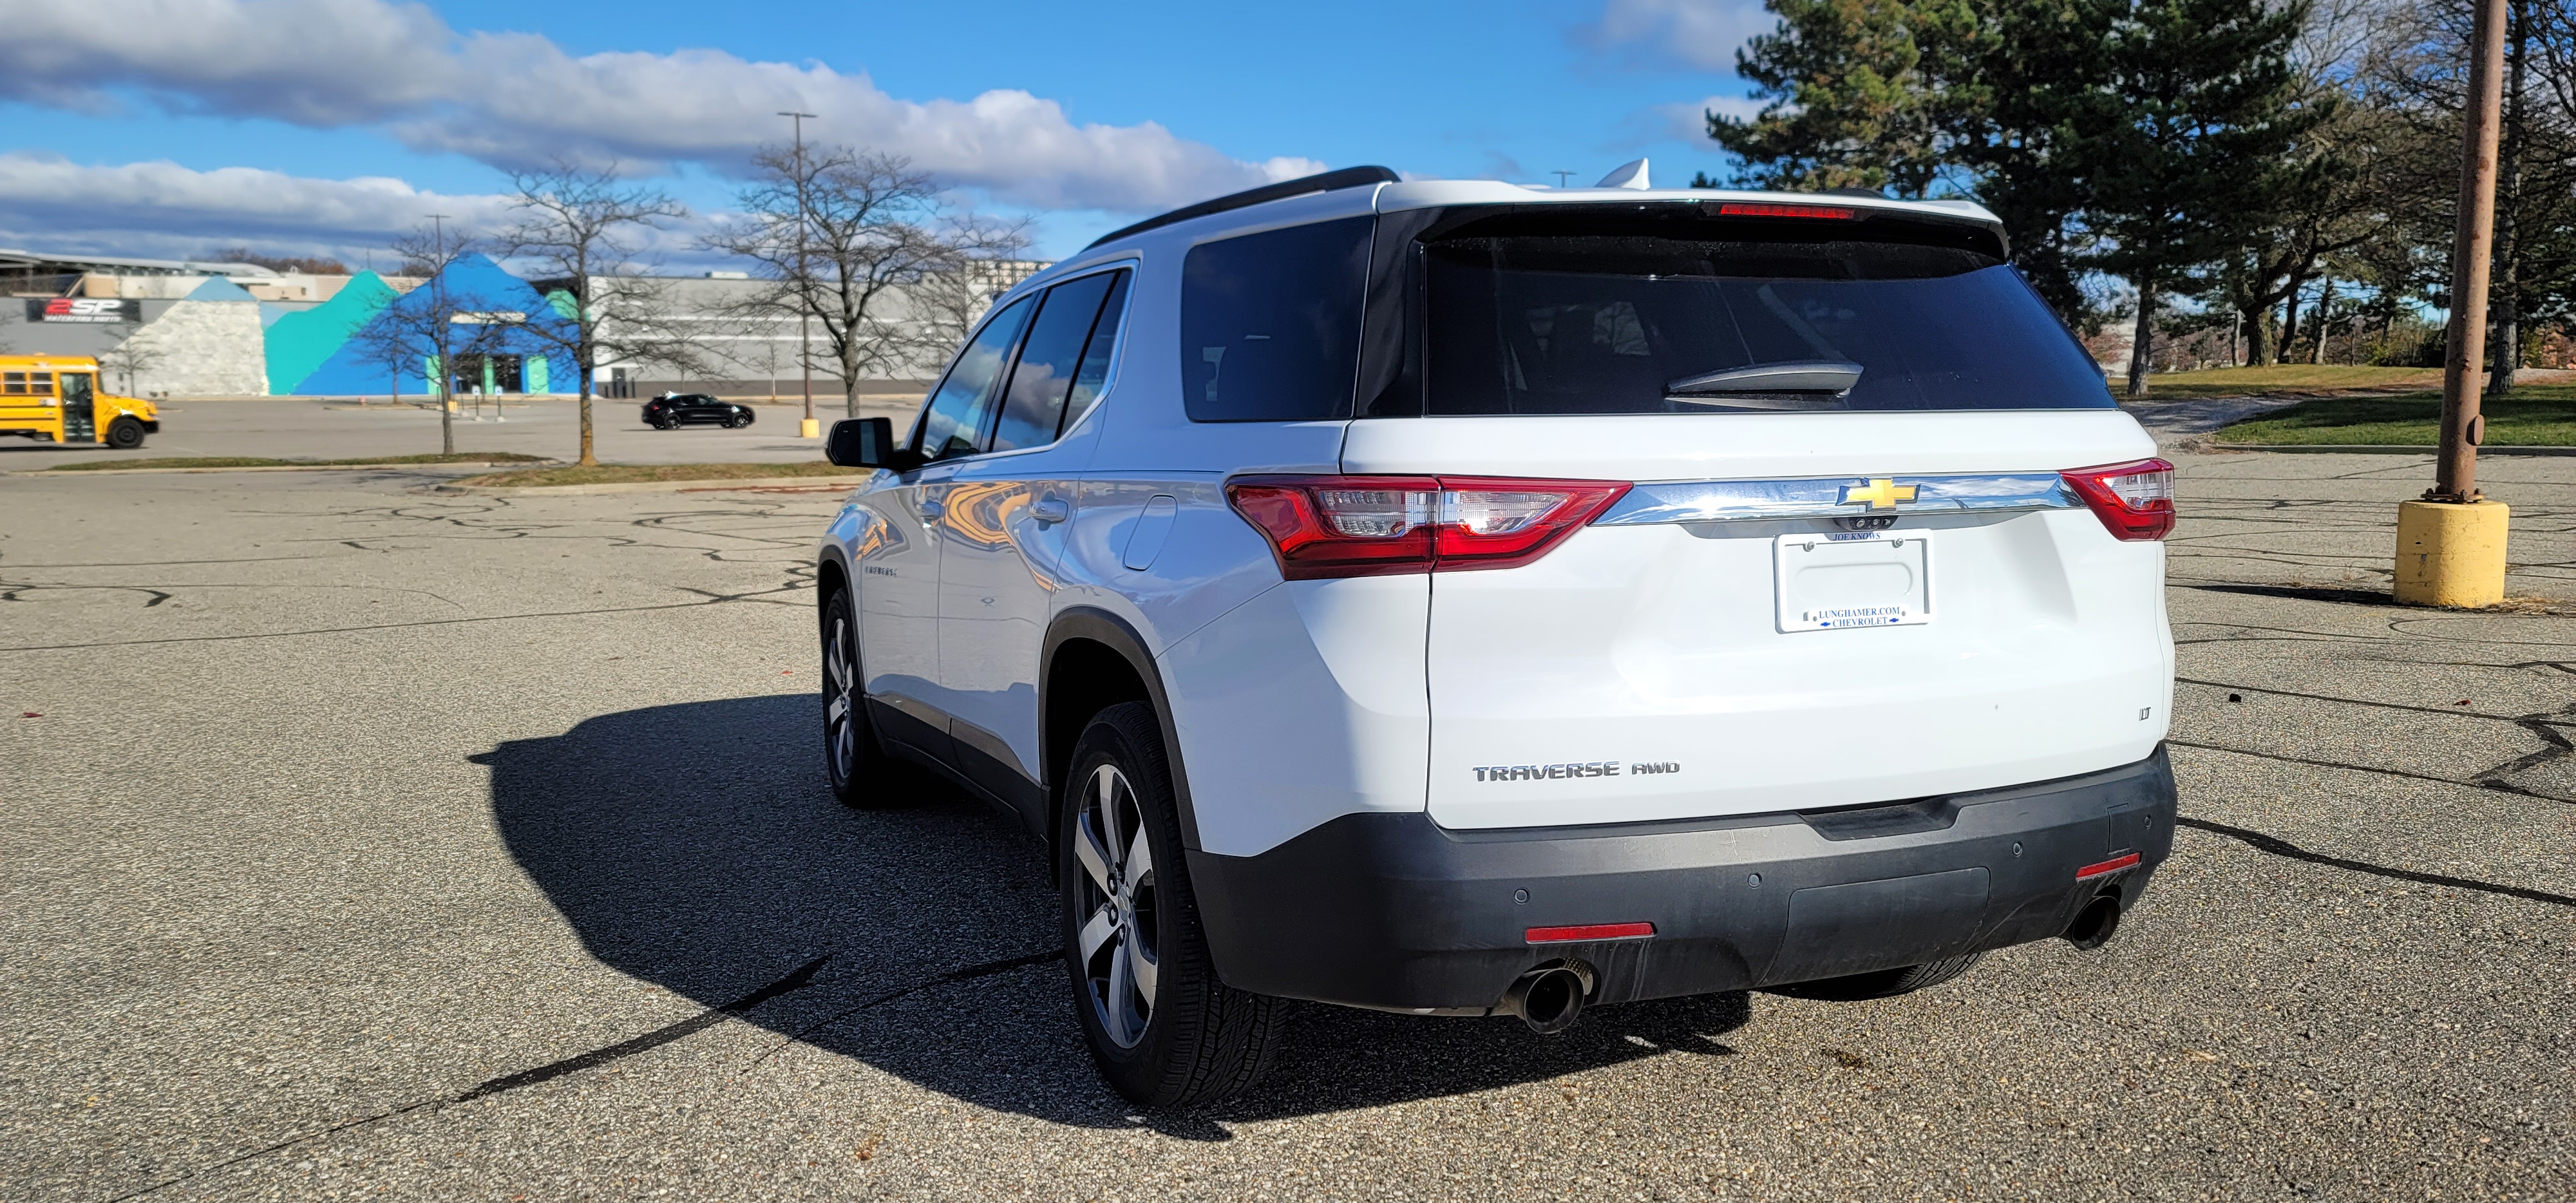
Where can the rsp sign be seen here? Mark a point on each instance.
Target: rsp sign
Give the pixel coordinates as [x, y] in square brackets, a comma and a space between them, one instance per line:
[97, 310]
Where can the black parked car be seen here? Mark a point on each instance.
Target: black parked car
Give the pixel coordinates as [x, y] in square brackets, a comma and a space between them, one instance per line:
[670, 411]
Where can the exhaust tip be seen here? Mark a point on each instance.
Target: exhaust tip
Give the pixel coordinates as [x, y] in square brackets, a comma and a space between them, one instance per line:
[1549, 998]
[2095, 924]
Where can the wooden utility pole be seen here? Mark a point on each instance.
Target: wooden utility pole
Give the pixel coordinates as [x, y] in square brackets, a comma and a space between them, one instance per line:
[2451, 544]
[804, 310]
[2472, 254]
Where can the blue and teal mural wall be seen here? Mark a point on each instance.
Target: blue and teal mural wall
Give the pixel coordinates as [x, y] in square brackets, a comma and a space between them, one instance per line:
[515, 359]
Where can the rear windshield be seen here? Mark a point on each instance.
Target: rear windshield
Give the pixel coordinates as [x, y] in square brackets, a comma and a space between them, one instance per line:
[1625, 323]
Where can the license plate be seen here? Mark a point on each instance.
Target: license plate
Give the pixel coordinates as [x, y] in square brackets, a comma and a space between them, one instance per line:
[1830, 582]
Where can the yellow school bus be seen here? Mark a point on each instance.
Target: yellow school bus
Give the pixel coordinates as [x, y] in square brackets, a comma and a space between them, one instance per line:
[57, 398]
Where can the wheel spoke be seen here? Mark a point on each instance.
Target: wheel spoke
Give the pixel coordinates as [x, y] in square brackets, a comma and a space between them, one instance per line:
[1122, 1002]
[1098, 929]
[1141, 967]
[837, 709]
[1140, 858]
[1104, 788]
[1094, 858]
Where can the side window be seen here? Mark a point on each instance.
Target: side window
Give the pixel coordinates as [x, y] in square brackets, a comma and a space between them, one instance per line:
[1270, 323]
[1033, 403]
[954, 419]
[1093, 375]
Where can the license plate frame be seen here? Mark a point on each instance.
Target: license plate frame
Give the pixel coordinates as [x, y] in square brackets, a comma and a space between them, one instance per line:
[1852, 586]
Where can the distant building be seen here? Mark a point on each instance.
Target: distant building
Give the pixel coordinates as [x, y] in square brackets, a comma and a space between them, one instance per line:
[185, 327]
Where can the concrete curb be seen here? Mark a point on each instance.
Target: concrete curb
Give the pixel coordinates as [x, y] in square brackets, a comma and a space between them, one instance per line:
[2378, 449]
[278, 468]
[751, 483]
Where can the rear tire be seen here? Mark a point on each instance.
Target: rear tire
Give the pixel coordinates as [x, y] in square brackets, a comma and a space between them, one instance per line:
[1163, 1030]
[863, 775]
[1884, 983]
[125, 434]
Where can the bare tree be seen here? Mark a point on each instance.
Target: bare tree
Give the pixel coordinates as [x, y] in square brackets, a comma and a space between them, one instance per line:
[439, 327]
[582, 225]
[849, 237]
[127, 360]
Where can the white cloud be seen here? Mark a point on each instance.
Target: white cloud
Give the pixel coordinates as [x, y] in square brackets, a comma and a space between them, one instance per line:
[515, 99]
[163, 209]
[1688, 120]
[1701, 34]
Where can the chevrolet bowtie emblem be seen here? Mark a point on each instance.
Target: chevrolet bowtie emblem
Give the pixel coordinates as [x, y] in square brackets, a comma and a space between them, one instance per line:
[1881, 494]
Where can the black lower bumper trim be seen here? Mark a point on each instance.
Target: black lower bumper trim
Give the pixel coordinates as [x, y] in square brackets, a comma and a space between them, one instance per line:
[1392, 911]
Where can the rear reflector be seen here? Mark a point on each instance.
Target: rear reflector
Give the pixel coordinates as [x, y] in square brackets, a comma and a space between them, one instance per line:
[1337, 526]
[2134, 500]
[2106, 868]
[1751, 209]
[1596, 931]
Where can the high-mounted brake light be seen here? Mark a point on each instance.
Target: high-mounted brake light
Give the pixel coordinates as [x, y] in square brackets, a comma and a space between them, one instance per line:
[1337, 526]
[1764, 209]
[2135, 501]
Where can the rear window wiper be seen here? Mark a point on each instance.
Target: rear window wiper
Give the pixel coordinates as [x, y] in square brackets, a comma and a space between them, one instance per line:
[1788, 384]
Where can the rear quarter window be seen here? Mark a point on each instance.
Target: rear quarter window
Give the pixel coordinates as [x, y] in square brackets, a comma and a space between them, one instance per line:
[1270, 323]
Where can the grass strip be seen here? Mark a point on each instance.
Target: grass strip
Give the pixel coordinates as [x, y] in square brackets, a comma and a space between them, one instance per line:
[248, 461]
[2280, 378]
[2540, 415]
[623, 474]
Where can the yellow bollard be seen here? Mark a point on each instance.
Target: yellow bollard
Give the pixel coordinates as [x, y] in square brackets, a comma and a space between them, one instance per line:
[2450, 553]
[809, 428]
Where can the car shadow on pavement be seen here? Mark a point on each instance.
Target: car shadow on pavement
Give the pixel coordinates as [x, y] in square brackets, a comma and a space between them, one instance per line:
[695, 847]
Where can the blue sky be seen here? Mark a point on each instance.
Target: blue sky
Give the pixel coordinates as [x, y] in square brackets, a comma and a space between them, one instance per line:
[163, 127]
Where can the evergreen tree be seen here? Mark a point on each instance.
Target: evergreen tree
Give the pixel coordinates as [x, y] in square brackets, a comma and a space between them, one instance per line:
[1927, 99]
[2184, 144]
[1859, 95]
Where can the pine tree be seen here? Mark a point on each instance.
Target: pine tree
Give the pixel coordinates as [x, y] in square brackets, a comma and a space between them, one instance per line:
[2184, 145]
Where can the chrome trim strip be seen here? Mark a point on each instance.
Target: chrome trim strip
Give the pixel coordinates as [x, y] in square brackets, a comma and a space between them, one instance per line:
[1740, 500]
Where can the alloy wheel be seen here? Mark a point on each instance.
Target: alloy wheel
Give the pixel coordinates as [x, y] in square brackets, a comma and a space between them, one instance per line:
[1118, 938]
[840, 699]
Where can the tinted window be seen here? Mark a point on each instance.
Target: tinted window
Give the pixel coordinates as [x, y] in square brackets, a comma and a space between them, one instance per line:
[1574, 324]
[954, 420]
[1093, 376]
[1033, 403]
[1270, 323]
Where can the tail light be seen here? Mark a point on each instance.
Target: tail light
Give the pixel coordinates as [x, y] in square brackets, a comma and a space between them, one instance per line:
[1335, 526]
[2133, 500]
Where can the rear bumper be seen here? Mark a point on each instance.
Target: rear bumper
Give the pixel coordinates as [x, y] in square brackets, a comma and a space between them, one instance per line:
[1391, 911]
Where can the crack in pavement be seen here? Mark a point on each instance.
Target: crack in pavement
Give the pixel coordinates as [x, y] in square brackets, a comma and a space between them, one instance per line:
[2496, 786]
[757, 595]
[796, 979]
[2284, 848]
[969, 973]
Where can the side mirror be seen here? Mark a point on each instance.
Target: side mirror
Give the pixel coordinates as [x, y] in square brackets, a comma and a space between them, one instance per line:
[861, 443]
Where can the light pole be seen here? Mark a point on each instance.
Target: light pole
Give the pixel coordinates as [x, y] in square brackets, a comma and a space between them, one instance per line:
[2450, 545]
[808, 428]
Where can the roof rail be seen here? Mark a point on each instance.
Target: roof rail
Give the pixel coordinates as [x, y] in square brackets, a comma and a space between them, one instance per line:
[1348, 177]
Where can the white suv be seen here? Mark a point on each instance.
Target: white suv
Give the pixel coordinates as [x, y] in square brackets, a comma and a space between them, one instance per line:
[1460, 598]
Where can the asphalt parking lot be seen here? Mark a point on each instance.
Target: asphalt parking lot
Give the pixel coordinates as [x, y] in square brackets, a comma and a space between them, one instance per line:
[374, 843]
[310, 428]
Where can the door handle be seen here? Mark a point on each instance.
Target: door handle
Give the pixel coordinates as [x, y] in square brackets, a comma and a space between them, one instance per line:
[1050, 509]
[931, 510]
